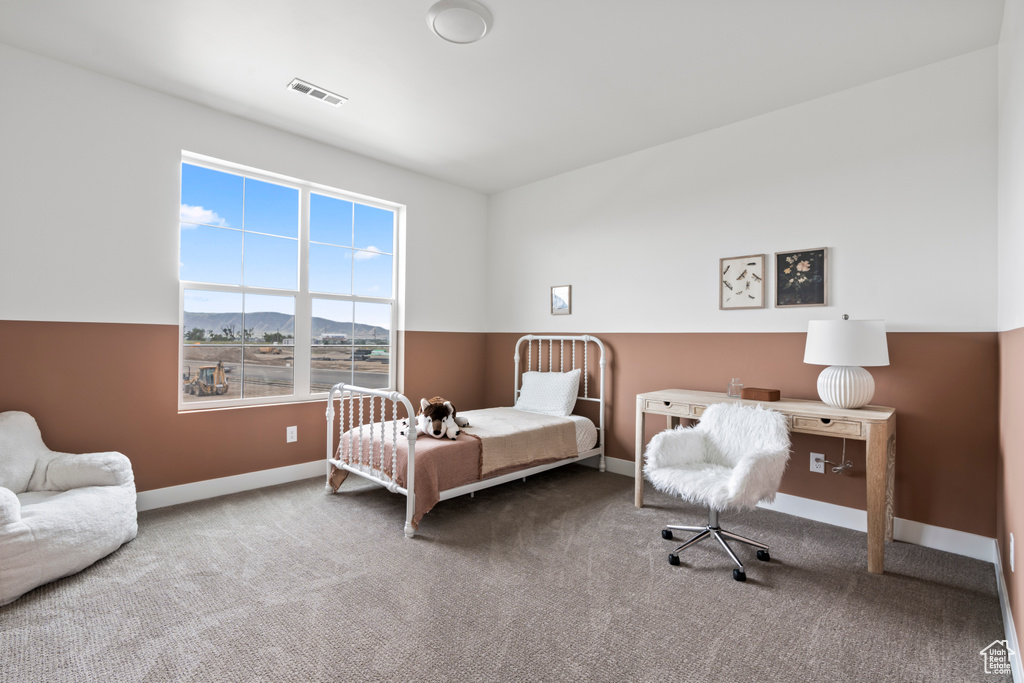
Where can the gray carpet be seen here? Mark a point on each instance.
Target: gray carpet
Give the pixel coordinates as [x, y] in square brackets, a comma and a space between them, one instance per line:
[557, 579]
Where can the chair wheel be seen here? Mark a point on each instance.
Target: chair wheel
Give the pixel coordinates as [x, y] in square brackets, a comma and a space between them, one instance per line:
[666, 534]
[739, 575]
[763, 555]
[673, 559]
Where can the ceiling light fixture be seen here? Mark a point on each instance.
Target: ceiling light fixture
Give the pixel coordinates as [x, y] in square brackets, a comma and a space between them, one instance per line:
[459, 21]
[317, 93]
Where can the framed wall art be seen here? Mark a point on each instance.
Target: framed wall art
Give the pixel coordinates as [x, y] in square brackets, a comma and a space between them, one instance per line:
[561, 300]
[741, 282]
[801, 278]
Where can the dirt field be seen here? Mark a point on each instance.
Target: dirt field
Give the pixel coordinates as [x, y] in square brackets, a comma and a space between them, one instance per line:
[268, 370]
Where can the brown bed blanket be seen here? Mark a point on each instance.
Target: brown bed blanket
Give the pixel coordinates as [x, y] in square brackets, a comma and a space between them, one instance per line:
[499, 441]
[515, 439]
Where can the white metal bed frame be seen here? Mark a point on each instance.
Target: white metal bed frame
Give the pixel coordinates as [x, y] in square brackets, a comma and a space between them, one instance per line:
[372, 466]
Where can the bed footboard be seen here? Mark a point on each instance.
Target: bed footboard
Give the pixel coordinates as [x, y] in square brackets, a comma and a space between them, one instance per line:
[367, 414]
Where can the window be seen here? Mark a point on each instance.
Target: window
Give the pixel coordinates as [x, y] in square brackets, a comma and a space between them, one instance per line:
[287, 288]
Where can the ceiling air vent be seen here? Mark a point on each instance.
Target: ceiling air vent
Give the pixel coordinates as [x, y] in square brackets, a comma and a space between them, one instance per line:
[318, 93]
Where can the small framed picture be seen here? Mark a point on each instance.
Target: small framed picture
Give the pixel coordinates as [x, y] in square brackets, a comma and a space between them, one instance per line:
[741, 282]
[801, 278]
[561, 300]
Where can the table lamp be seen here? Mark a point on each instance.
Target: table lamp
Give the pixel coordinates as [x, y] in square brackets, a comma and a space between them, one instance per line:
[846, 346]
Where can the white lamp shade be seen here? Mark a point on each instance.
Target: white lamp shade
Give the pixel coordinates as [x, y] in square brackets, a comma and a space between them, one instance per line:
[846, 342]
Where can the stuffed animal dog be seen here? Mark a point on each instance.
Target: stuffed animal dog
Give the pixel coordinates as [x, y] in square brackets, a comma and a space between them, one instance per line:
[437, 417]
[437, 400]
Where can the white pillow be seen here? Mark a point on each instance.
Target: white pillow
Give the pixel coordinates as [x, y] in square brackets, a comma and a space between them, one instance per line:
[549, 393]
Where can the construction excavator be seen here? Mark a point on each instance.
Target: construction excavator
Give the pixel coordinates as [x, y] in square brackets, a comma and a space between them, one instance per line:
[208, 380]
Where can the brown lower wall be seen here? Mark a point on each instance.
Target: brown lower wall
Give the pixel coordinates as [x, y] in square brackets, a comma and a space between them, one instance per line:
[95, 386]
[445, 364]
[943, 386]
[1010, 475]
[99, 387]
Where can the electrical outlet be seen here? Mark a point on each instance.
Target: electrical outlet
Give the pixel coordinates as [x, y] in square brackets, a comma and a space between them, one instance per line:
[818, 463]
[1011, 551]
[291, 434]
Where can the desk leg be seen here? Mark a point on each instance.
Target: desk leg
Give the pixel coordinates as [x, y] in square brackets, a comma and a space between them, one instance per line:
[890, 481]
[638, 481]
[877, 490]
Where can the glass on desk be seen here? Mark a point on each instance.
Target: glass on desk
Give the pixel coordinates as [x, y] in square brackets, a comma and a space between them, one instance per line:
[735, 387]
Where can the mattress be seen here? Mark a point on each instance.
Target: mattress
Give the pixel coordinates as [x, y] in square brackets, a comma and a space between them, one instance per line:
[586, 432]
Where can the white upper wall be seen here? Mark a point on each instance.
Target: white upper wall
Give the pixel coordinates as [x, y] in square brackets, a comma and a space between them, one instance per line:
[89, 190]
[1011, 166]
[897, 178]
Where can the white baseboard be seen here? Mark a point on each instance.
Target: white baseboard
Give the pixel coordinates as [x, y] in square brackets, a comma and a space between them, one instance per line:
[950, 540]
[1004, 607]
[613, 465]
[211, 488]
[908, 531]
[618, 466]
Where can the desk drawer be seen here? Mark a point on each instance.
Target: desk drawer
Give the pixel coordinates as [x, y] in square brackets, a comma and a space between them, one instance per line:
[812, 425]
[666, 407]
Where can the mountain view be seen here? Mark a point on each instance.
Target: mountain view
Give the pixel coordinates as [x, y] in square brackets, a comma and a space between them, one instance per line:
[269, 322]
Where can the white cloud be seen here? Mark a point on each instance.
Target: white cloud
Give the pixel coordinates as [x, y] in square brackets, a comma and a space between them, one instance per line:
[371, 252]
[197, 214]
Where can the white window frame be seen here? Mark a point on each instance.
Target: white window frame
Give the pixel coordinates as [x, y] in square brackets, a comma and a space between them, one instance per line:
[303, 297]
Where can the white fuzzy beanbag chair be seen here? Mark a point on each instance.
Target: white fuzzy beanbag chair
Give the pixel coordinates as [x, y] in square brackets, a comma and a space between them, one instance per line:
[59, 512]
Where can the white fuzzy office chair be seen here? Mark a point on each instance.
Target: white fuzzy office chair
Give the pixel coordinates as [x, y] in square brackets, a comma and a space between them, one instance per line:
[732, 459]
[59, 512]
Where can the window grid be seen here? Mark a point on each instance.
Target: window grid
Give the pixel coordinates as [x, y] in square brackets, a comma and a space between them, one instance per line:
[302, 341]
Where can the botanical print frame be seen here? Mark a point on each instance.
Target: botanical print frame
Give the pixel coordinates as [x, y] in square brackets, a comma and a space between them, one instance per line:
[561, 300]
[741, 282]
[801, 278]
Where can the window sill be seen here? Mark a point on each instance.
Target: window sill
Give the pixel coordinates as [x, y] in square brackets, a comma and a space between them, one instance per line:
[234, 404]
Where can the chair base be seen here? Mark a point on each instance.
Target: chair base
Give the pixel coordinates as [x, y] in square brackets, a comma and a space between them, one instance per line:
[713, 530]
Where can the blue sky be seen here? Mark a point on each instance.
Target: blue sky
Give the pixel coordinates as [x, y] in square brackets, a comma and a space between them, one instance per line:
[237, 230]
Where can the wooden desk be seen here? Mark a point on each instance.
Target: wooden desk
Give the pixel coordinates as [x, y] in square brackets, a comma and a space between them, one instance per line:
[874, 424]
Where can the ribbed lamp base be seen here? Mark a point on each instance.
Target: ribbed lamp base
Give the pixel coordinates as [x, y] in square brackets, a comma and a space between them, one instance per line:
[846, 386]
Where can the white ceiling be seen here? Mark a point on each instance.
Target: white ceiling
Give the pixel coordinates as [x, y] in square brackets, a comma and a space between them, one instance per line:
[556, 85]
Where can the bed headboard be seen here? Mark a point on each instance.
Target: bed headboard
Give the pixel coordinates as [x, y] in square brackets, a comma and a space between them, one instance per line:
[550, 353]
